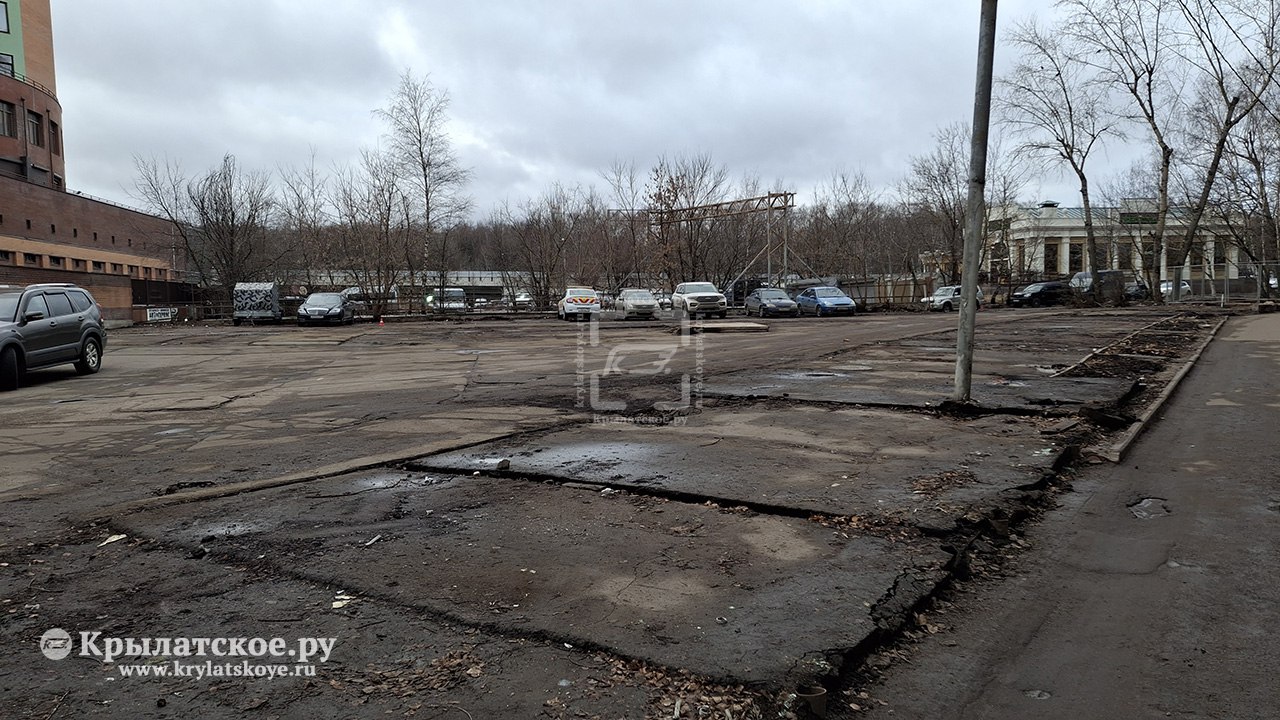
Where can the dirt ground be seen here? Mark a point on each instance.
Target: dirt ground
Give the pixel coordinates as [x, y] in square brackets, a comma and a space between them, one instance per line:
[529, 518]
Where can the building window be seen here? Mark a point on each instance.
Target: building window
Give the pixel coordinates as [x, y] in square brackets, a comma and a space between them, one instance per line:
[53, 229]
[35, 128]
[55, 140]
[99, 266]
[77, 264]
[117, 268]
[30, 259]
[1075, 258]
[1124, 256]
[4, 17]
[6, 64]
[6, 256]
[55, 261]
[1051, 259]
[8, 120]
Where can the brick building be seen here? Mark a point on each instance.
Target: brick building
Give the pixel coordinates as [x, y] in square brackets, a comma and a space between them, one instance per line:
[47, 234]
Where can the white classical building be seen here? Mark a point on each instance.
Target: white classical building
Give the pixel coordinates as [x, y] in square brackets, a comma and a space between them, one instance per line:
[1047, 241]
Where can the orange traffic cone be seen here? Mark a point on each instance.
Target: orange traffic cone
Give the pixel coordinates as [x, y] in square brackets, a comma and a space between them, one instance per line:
[381, 323]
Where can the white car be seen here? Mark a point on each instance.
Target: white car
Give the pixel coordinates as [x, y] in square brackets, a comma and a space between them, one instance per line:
[636, 303]
[1166, 289]
[947, 298]
[698, 298]
[578, 303]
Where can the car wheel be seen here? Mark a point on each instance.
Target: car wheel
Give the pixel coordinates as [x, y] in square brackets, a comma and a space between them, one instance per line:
[236, 321]
[9, 370]
[723, 314]
[762, 311]
[90, 360]
[946, 307]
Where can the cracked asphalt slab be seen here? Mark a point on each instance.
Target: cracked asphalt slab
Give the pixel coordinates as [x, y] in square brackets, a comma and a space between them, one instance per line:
[189, 427]
[797, 460]
[673, 584]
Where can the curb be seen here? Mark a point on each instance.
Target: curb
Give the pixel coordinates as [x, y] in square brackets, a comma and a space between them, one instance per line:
[1116, 451]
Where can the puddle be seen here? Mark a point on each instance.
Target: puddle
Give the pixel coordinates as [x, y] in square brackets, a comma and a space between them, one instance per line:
[232, 529]
[1148, 508]
[853, 368]
[811, 375]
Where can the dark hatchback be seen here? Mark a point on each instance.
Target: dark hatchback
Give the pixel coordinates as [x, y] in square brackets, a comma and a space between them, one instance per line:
[46, 325]
[1041, 294]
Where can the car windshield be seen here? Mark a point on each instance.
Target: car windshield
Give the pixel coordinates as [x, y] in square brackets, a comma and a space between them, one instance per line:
[827, 292]
[773, 295]
[948, 290]
[9, 306]
[638, 295]
[699, 288]
[324, 299]
[580, 292]
[1033, 288]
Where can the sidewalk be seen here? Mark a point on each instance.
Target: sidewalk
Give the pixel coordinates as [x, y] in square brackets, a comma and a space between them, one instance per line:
[1154, 591]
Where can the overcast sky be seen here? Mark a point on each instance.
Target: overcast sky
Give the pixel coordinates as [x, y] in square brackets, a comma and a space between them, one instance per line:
[542, 90]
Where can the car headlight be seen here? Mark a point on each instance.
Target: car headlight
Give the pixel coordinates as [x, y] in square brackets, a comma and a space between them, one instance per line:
[335, 311]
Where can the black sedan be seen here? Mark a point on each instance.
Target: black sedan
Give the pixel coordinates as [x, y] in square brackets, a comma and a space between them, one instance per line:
[1041, 294]
[327, 308]
[770, 301]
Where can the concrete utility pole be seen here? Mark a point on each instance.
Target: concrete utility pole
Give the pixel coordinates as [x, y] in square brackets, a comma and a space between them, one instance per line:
[977, 201]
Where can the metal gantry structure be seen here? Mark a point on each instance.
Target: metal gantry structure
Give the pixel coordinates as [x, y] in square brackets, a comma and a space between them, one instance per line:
[774, 206]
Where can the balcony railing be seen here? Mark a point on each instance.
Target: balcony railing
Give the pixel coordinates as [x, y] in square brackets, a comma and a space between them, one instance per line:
[27, 81]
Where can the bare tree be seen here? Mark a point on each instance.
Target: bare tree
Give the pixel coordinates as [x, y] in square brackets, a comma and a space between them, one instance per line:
[1233, 46]
[419, 147]
[681, 183]
[374, 228]
[1132, 48]
[223, 218]
[305, 216]
[1051, 102]
[936, 186]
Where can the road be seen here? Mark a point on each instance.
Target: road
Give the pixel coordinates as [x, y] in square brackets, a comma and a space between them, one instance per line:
[1152, 591]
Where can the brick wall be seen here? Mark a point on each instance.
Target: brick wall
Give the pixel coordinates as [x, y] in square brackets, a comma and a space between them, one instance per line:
[39, 213]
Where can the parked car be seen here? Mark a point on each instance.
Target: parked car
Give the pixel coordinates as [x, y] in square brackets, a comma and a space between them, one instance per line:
[636, 303]
[522, 301]
[1166, 289]
[46, 325]
[947, 298]
[825, 300]
[664, 300]
[577, 303]
[1110, 283]
[1136, 290]
[327, 308]
[1041, 294]
[766, 302]
[451, 300]
[698, 298]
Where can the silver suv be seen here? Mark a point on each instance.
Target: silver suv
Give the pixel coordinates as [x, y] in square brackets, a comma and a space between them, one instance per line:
[698, 298]
[46, 325]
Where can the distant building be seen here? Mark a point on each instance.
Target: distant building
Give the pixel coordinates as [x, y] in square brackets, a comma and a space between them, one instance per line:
[125, 257]
[1047, 241]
